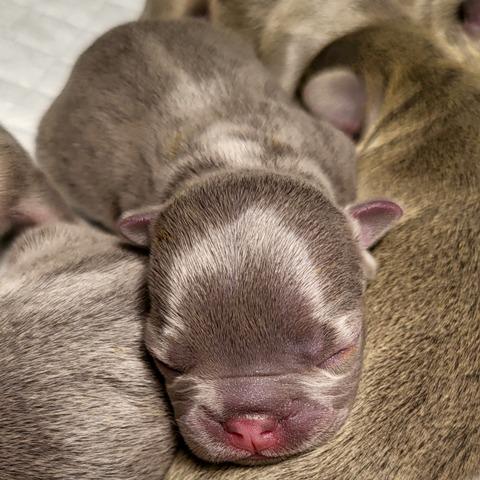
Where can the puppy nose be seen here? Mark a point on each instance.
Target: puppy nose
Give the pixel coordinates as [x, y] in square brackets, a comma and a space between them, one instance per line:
[252, 434]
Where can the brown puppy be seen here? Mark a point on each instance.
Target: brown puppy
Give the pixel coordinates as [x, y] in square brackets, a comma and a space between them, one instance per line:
[417, 415]
[79, 399]
[257, 265]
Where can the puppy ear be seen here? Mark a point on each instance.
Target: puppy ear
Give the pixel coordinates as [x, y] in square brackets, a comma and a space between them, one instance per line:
[337, 95]
[26, 197]
[135, 226]
[373, 219]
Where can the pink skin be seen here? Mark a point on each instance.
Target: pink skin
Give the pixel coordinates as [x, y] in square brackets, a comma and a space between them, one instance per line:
[254, 434]
[258, 437]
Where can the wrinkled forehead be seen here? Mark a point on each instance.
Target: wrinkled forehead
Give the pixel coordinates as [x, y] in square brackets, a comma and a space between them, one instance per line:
[259, 282]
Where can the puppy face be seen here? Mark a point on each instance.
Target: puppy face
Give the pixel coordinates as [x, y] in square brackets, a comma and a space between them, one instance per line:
[256, 320]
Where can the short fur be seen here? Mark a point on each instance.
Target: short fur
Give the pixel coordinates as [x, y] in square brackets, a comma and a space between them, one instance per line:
[417, 415]
[79, 396]
[256, 274]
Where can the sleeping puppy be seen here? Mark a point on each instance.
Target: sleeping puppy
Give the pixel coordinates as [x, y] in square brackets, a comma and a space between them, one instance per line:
[417, 415]
[79, 398]
[174, 135]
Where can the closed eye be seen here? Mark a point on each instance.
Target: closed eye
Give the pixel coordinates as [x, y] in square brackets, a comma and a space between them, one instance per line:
[338, 357]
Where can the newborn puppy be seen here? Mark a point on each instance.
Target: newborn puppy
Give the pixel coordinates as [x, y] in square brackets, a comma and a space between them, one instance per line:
[417, 414]
[79, 398]
[257, 265]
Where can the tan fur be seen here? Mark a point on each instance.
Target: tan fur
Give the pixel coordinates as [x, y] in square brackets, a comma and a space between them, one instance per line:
[79, 396]
[417, 416]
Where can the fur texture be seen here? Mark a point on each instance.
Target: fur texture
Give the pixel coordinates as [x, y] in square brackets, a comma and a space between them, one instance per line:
[257, 264]
[417, 414]
[80, 398]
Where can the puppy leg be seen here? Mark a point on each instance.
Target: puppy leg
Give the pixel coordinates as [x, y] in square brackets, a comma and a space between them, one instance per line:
[338, 96]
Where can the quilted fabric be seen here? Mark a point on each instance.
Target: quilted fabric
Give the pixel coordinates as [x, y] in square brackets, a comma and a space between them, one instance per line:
[39, 42]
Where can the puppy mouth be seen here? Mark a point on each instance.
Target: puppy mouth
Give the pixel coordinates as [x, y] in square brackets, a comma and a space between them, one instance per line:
[213, 444]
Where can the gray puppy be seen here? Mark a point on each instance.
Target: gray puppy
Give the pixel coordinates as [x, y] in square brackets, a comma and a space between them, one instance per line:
[257, 264]
[79, 399]
[417, 415]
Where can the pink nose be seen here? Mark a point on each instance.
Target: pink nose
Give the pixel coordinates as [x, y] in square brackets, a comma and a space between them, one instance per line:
[253, 434]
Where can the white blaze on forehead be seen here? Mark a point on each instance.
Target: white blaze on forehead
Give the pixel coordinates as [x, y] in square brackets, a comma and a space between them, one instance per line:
[258, 233]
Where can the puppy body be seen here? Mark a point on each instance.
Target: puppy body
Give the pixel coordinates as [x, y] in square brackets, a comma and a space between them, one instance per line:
[80, 399]
[152, 106]
[257, 267]
[417, 415]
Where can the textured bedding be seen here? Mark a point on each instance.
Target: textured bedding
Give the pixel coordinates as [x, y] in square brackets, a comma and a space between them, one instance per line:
[39, 42]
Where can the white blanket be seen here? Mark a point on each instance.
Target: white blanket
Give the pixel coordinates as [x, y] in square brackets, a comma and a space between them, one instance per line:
[39, 42]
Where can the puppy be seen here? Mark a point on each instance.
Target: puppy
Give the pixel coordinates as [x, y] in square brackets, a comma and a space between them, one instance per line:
[417, 415]
[257, 262]
[79, 397]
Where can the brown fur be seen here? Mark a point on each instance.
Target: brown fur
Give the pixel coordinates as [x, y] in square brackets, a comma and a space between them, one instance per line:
[257, 266]
[417, 415]
[79, 397]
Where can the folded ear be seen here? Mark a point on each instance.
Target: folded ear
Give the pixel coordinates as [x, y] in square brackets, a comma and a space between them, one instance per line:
[135, 226]
[373, 219]
[338, 96]
[26, 197]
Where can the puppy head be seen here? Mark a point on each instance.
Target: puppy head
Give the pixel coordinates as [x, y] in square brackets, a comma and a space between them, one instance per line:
[256, 286]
